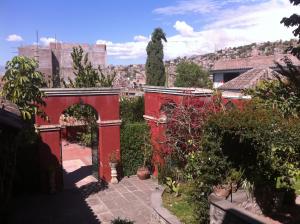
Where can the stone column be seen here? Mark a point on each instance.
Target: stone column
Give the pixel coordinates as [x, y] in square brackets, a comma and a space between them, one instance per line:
[50, 158]
[109, 141]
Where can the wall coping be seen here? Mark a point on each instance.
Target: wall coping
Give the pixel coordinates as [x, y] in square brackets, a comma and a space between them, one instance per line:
[48, 127]
[80, 91]
[109, 123]
[238, 212]
[178, 91]
[156, 204]
[161, 120]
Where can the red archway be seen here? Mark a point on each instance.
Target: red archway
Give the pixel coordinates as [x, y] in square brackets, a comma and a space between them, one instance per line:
[105, 101]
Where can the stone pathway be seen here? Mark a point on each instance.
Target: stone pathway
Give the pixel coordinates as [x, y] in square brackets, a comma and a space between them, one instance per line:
[77, 165]
[85, 200]
[92, 203]
[128, 199]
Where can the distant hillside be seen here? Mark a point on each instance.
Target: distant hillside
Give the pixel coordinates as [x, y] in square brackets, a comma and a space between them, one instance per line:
[128, 75]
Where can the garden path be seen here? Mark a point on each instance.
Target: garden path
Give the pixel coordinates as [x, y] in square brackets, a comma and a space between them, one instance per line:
[87, 201]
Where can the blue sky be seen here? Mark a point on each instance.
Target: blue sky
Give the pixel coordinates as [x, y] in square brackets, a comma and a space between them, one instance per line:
[192, 26]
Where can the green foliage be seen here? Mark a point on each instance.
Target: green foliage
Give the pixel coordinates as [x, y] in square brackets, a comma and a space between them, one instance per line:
[276, 94]
[282, 94]
[132, 109]
[189, 74]
[21, 86]
[121, 221]
[266, 147]
[172, 186]
[85, 75]
[294, 21]
[132, 143]
[155, 69]
[205, 168]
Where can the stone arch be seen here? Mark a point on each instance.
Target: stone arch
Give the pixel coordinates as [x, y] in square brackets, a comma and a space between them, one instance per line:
[104, 100]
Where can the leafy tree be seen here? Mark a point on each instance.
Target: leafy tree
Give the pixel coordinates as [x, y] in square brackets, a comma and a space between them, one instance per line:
[294, 21]
[85, 74]
[21, 86]
[155, 69]
[189, 74]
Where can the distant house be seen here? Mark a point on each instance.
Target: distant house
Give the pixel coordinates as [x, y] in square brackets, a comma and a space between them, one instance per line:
[225, 70]
[249, 79]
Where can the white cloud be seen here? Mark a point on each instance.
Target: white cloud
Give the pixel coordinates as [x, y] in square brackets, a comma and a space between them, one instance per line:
[183, 28]
[245, 24]
[14, 38]
[47, 40]
[140, 38]
[128, 50]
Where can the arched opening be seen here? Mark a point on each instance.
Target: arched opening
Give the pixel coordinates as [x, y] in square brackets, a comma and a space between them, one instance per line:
[79, 145]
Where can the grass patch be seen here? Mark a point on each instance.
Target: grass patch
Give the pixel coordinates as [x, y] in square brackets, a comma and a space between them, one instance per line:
[180, 206]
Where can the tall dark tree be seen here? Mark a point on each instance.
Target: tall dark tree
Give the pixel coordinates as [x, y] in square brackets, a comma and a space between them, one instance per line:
[294, 21]
[155, 69]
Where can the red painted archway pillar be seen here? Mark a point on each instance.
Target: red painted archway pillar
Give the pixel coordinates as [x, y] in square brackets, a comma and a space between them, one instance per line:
[105, 101]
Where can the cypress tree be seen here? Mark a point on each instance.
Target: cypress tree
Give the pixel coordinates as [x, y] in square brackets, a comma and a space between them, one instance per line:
[155, 69]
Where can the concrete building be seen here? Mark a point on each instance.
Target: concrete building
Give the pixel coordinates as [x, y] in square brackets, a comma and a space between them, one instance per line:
[55, 60]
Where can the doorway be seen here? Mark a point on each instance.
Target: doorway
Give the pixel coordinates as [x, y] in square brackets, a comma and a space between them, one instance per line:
[79, 146]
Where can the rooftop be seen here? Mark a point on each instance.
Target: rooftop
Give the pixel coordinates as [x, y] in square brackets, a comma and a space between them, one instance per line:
[253, 62]
[250, 79]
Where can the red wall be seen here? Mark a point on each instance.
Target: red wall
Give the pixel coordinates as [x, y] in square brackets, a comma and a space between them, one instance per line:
[153, 104]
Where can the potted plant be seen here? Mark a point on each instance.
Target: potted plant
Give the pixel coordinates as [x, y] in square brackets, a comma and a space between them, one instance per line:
[143, 172]
[231, 184]
[113, 162]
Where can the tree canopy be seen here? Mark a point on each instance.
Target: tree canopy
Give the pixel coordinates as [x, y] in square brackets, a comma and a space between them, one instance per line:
[85, 74]
[21, 86]
[294, 21]
[189, 74]
[155, 69]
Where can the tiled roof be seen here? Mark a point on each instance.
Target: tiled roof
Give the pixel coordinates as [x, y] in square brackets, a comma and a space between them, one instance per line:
[252, 62]
[249, 79]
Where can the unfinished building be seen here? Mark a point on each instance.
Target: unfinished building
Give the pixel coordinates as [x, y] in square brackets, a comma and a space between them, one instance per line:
[55, 60]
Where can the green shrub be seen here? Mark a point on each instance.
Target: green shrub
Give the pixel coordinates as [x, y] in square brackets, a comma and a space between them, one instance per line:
[132, 141]
[260, 142]
[132, 109]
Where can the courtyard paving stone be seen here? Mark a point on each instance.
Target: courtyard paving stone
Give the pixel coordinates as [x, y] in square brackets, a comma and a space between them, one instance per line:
[91, 203]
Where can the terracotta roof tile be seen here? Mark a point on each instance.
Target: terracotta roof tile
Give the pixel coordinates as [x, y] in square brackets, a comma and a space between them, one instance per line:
[249, 79]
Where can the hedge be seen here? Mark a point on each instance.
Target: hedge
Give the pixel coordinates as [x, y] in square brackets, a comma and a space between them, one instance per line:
[131, 143]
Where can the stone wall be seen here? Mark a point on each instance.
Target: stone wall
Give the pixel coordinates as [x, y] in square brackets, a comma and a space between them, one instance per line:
[225, 212]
